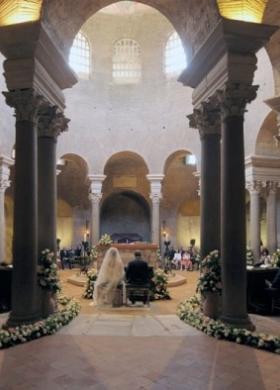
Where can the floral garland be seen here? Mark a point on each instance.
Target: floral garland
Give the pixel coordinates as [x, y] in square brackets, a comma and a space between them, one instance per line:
[91, 278]
[47, 272]
[158, 287]
[190, 312]
[21, 334]
[210, 279]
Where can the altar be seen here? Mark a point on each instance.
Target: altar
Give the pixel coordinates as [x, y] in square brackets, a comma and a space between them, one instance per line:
[148, 251]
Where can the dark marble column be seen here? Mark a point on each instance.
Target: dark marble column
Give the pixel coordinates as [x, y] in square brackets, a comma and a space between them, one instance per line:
[51, 124]
[207, 120]
[25, 307]
[233, 100]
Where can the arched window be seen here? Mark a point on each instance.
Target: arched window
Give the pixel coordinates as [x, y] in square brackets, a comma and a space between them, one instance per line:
[80, 56]
[126, 62]
[175, 57]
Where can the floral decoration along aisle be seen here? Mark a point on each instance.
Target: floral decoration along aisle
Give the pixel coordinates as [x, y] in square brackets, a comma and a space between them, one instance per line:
[191, 312]
[63, 309]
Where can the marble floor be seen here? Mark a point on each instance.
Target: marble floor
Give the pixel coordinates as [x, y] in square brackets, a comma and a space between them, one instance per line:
[137, 349]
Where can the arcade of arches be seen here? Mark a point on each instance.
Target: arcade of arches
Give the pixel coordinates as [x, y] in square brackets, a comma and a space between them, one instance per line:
[151, 121]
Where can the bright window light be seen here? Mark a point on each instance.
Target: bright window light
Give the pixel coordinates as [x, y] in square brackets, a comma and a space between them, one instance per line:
[127, 62]
[190, 159]
[80, 56]
[175, 57]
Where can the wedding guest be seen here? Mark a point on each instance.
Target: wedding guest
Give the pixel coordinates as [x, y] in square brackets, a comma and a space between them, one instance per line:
[176, 261]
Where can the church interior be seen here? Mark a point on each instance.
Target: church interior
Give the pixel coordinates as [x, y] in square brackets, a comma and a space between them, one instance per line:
[140, 129]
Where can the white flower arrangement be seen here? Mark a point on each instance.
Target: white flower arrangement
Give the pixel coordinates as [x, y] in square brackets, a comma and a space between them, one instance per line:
[249, 257]
[47, 272]
[210, 278]
[69, 309]
[105, 240]
[91, 277]
[191, 313]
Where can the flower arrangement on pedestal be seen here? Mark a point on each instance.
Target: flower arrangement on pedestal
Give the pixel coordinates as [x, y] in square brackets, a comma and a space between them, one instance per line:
[47, 272]
[67, 310]
[105, 240]
[276, 258]
[249, 257]
[159, 286]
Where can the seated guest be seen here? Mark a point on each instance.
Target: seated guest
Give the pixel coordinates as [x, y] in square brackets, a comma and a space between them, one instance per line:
[176, 261]
[138, 273]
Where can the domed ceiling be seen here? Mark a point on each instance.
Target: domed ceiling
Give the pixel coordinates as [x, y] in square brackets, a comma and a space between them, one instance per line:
[126, 8]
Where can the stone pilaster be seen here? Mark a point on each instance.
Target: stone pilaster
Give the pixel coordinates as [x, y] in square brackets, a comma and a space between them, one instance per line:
[255, 187]
[95, 196]
[232, 102]
[25, 307]
[271, 215]
[155, 196]
[5, 164]
[207, 120]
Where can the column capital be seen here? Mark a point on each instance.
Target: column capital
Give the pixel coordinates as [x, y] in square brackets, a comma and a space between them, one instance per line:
[96, 182]
[206, 118]
[51, 122]
[272, 186]
[26, 103]
[156, 184]
[95, 197]
[5, 164]
[255, 186]
[234, 97]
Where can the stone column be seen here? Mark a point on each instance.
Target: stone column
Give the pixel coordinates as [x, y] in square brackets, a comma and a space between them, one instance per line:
[207, 120]
[271, 216]
[5, 164]
[233, 99]
[51, 123]
[25, 307]
[254, 188]
[95, 196]
[156, 196]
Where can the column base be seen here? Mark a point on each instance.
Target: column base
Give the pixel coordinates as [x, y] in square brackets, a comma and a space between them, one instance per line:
[15, 320]
[241, 323]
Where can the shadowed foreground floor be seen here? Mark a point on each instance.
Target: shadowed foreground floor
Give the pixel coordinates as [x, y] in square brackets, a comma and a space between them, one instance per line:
[145, 348]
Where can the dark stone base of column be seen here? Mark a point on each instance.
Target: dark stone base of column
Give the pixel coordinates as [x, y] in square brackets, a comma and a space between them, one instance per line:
[241, 323]
[15, 320]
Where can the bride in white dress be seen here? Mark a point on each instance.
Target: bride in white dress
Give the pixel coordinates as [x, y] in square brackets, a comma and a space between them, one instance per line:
[111, 273]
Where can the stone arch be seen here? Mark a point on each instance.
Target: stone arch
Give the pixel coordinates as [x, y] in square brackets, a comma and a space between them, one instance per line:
[72, 180]
[174, 155]
[266, 144]
[193, 21]
[125, 215]
[126, 170]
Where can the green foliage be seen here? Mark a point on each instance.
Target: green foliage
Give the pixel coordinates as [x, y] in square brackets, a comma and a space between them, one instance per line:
[91, 278]
[276, 258]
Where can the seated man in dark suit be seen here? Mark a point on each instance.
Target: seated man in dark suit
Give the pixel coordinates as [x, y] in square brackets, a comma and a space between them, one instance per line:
[138, 274]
